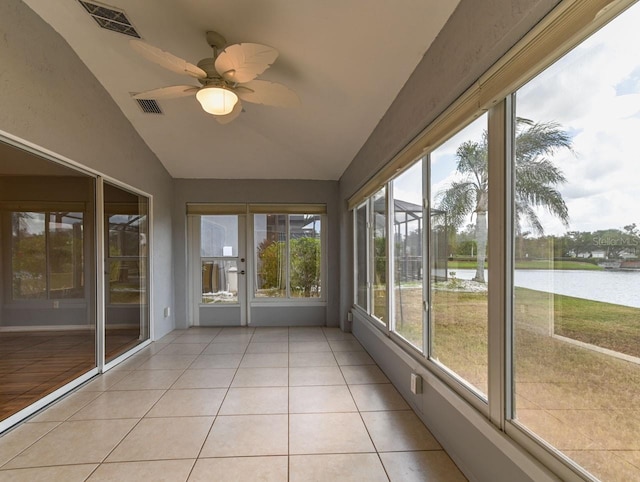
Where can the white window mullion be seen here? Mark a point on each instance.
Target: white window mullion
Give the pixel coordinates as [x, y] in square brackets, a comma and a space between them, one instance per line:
[390, 258]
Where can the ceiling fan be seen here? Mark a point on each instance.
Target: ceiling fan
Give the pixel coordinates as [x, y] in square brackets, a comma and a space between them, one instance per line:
[226, 78]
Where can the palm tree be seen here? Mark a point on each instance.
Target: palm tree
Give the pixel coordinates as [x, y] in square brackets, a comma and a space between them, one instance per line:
[536, 181]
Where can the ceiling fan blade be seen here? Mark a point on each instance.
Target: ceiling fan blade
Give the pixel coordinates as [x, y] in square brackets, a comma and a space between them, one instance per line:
[167, 60]
[225, 119]
[172, 92]
[244, 62]
[268, 93]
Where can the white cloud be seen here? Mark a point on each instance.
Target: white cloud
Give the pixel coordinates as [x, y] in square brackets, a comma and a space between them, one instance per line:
[581, 92]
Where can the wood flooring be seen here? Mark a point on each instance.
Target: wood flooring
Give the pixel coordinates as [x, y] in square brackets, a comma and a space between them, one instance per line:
[34, 364]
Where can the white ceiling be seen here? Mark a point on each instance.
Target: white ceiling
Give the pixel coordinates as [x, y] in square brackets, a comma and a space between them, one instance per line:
[346, 59]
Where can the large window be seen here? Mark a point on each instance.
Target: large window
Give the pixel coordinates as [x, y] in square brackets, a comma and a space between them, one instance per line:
[458, 190]
[407, 239]
[577, 258]
[288, 255]
[532, 248]
[371, 256]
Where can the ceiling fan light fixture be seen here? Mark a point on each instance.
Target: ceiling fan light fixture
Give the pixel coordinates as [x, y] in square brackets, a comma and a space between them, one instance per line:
[216, 100]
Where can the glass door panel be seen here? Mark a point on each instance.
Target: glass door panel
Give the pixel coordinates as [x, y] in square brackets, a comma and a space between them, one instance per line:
[126, 266]
[221, 297]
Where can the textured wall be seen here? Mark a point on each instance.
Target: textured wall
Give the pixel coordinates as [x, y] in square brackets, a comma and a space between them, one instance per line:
[49, 98]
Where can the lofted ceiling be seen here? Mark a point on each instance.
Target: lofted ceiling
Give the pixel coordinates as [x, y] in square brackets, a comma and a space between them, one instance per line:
[346, 59]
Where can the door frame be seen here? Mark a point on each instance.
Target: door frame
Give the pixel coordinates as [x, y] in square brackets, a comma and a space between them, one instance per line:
[194, 289]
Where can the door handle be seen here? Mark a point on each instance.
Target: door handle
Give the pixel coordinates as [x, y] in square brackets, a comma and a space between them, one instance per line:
[242, 272]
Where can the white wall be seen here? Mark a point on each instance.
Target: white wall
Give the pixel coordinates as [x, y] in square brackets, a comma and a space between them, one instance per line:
[49, 98]
[477, 34]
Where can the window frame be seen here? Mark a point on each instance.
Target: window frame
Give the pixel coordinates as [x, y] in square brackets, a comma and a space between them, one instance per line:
[252, 257]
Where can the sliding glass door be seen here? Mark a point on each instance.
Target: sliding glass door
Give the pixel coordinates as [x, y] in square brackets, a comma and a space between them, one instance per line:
[126, 217]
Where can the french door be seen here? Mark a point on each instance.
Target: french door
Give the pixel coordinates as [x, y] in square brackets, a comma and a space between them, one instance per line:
[218, 269]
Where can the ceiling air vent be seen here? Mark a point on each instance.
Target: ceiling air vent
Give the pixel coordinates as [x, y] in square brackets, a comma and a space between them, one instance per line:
[110, 18]
[149, 106]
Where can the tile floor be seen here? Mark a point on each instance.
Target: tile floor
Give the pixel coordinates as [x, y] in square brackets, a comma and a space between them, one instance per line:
[237, 404]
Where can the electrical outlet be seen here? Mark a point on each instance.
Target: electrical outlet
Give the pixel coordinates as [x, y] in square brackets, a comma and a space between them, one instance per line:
[56, 304]
[349, 316]
[167, 312]
[416, 383]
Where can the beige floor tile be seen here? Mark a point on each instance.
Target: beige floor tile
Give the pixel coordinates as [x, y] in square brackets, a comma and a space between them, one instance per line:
[320, 399]
[261, 377]
[195, 338]
[255, 401]
[103, 382]
[245, 435]
[163, 438]
[205, 378]
[63, 409]
[265, 360]
[398, 431]
[361, 374]
[225, 348]
[148, 380]
[66, 473]
[18, 439]
[342, 467]
[269, 347]
[156, 471]
[183, 349]
[230, 360]
[378, 396]
[345, 345]
[197, 402]
[309, 346]
[337, 334]
[304, 335]
[432, 465]
[132, 362]
[319, 359]
[232, 338]
[328, 433]
[353, 358]
[168, 362]
[307, 376]
[119, 404]
[241, 469]
[631, 456]
[77, 442]
[270, 335]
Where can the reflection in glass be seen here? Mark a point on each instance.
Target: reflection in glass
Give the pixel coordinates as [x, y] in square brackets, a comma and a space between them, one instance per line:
[220, 281]
[408, 229]
[576, 336]
[127, 280]
[218, 236]
[458, 240]
[304, 255]
[361, 257]
[380, 255]
[29, 256]
[270, 238]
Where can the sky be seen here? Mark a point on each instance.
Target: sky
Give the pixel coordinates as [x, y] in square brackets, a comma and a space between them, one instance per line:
[594, 94]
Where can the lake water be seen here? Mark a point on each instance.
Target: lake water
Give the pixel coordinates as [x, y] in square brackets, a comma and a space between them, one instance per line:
[619, 287]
